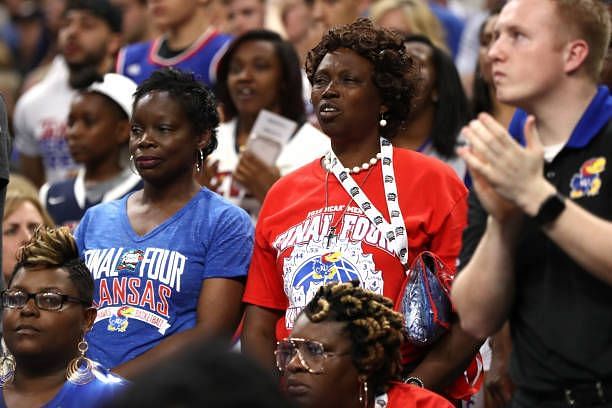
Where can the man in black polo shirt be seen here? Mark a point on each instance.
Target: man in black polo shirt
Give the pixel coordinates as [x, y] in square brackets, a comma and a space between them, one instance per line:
[545, 260]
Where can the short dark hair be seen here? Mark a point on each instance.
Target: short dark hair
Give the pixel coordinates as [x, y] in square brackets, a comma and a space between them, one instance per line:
[291, 97]
[374, 328]
[193, 96]
[205, 376]
[102, 9]
[395, 73]
[452, 109]
[56, 248]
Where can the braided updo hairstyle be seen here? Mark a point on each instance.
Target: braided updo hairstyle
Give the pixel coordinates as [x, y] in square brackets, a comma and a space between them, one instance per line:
[375, 329]
[395, 73]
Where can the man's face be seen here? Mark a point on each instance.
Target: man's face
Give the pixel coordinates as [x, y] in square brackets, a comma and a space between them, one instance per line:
[332, 13]
[245, 15]
[527, 54]
[85, 40]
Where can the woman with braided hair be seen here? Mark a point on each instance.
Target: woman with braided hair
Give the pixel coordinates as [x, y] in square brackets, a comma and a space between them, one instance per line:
[344, 351]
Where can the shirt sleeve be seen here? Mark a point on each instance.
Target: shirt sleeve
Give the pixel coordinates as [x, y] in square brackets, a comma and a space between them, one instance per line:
[25, 141]
[264, 284]
[231, 246]
[473, 232]
[79, 233]
[446, 242]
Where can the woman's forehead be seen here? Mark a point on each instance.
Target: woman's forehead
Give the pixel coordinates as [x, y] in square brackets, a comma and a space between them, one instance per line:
[326, 331]
[36, 279]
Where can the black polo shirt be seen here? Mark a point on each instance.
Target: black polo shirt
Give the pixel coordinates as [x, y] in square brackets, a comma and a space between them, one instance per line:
[561, 320]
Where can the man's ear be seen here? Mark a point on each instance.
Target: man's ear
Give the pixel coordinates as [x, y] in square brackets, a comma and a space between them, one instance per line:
[574, 55]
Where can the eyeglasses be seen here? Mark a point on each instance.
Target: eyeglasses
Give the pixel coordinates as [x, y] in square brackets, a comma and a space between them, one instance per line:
[17, 299]
[312, 354]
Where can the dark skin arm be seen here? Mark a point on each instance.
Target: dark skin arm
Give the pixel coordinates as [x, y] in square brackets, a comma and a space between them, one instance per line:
[254, 175]
[448, 358]
[259, 334]
[32, 168]
[219, 312]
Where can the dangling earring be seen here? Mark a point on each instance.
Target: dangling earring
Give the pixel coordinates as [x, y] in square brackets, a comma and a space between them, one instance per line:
[80, 369]
[382, 122]
[7, 367]
[363, 391]
[132, 165]
[200, 161]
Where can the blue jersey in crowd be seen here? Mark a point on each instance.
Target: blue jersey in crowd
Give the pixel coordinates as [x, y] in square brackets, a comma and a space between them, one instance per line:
[139, 61]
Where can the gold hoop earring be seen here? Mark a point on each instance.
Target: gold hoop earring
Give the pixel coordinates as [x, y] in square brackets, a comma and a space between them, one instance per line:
[80, 369]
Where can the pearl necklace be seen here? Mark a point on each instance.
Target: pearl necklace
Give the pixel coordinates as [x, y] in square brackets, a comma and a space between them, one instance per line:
[327, 163]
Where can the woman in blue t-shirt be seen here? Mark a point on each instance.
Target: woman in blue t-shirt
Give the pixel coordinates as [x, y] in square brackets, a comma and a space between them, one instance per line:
[47, 311]
[168, 261]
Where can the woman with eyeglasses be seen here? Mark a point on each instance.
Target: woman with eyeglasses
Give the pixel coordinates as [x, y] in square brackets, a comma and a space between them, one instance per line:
[47, 311]
[344, 352]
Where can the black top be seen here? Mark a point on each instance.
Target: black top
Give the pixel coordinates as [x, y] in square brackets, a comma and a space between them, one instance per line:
[561, 321]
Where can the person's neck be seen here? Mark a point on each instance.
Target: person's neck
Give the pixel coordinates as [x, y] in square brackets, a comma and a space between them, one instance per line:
[183, 36]
[502, 112]
[558, 115]
[103, 170]
[38, 379]
[177, 191]
[352, 153]
[416, 130]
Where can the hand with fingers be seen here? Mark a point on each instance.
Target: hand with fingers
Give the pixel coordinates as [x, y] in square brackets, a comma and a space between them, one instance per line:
[500, 165]
[254, 175]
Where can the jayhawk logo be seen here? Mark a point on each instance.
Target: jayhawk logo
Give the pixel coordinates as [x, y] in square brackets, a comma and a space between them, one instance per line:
[120, 321]
[587, 182]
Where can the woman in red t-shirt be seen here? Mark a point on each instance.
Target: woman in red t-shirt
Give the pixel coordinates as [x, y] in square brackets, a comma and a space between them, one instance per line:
[364, 211]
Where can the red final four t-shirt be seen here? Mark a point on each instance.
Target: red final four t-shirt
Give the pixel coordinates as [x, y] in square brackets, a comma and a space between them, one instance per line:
[295, 253]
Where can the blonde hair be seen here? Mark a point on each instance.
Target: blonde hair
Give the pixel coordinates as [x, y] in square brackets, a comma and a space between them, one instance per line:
[417, 15]
[56, 248]
[19, 191]
[588, 20]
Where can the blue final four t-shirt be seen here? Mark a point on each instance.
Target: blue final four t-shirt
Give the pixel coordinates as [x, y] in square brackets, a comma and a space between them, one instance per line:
[147, 287]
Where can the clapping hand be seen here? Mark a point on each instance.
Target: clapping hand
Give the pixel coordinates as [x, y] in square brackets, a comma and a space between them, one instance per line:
[507, 177]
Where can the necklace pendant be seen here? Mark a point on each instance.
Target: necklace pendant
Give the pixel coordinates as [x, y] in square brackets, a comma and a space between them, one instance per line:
[330, 236]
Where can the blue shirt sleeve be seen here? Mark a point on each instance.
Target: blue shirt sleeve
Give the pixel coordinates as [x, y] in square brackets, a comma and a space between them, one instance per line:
[230, 246]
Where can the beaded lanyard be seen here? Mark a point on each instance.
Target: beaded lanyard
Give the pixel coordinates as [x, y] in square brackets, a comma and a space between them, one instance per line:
[395, 232]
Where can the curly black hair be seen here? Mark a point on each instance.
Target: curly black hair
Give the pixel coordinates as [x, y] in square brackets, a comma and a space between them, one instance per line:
[193, 96]
[375, 329]
[395, 73]
[291, 99]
